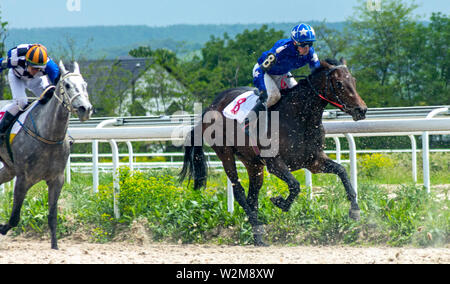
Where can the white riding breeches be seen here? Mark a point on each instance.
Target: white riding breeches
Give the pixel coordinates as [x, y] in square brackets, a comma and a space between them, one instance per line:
[35, 85]
[275, 83]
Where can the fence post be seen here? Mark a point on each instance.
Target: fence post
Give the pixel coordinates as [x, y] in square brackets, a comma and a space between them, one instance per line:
[95, 154]
[426, 150]
[130, 155]
[308, 182]
[68, 173]
[413, 157]
[116, 184]
[338, 149]
[353, 168]
[230, 196]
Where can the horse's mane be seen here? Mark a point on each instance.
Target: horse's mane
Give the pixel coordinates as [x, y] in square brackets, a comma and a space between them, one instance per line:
[303, 83]
[321, 68]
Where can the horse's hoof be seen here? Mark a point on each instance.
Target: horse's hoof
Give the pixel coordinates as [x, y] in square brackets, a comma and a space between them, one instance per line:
[260, 243]
[4, 229]
[280, 203]
[354, 214]
[258, 232]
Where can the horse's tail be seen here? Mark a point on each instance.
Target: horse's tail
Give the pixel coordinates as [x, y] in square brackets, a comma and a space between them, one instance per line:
[194, 165]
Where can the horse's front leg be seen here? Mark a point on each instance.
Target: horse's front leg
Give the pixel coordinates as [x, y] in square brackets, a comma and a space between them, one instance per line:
[279, 168]
[325, 165]
[54, 190]
[20, 190]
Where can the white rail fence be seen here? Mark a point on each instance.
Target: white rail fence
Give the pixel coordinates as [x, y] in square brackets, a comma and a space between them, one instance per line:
[334, 129]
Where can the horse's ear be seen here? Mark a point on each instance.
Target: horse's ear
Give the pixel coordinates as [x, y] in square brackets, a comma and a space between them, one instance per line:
[325, 64]
[76, 69]
[62, 67]
[343, 61]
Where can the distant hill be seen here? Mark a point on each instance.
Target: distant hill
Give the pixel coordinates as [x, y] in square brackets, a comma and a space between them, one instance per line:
[115, 41]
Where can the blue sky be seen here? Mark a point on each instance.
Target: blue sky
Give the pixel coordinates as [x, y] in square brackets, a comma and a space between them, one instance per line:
[55, 13]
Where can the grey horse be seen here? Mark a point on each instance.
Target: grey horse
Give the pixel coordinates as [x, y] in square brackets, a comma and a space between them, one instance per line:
[41, 149]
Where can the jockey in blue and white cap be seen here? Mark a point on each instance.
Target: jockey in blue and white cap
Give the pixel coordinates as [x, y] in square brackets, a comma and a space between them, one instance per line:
[272, 72]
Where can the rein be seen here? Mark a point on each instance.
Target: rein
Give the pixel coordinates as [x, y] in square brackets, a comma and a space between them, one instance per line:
[68, 106]
[37, 136]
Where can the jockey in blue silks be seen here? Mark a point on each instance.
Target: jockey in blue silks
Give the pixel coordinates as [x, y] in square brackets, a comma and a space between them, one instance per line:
[29, 68]
[272, 72]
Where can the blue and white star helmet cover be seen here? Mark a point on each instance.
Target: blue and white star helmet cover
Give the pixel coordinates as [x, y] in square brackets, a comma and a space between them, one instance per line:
[303, 32]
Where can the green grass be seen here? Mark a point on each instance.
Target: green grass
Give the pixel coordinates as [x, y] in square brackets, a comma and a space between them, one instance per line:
[397, 216]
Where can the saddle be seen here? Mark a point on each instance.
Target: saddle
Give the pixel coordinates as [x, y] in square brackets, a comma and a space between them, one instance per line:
[240, 107]
[239, 110]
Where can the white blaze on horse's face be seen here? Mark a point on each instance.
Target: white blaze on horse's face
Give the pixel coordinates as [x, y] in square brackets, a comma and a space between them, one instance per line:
[76, 90]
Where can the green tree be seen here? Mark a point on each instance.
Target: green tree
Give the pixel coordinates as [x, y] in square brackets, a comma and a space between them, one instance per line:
[162, 86]
[107, 87]
[384, 54]
[226, 62]
[331, 43]
[141, 51]
[433, 80]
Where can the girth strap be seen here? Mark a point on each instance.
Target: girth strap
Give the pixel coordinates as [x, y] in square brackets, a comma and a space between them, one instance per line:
[40, 138]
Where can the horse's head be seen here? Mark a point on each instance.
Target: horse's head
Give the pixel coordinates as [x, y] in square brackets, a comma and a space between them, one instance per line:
[339, 87]
[75, 92]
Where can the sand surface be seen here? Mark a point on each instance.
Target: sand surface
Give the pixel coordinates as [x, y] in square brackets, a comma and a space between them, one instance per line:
[23, 250]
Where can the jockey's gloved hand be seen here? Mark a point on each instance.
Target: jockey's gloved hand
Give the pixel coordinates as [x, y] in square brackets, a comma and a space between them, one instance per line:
[261, 94]
[47, 95]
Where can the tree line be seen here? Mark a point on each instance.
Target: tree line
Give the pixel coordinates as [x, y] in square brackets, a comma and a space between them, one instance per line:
[397, 58]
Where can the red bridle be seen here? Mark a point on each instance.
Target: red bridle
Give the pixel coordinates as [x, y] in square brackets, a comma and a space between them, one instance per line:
[331, 102]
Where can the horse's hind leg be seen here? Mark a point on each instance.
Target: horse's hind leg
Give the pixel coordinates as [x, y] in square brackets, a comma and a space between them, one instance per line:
[20, 190]
[325, 165]
[256, 178]
[54, 190]
[6, 174]
[229, 164]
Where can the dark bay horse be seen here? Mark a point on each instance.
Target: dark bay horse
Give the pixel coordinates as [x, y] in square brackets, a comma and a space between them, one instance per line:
[41, 149]
[300, 137]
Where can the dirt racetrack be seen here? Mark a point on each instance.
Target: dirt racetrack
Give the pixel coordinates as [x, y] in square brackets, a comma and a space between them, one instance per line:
[21, 250]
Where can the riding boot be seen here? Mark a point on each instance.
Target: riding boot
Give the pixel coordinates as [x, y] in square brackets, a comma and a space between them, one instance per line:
[4, 124]
[260, 106]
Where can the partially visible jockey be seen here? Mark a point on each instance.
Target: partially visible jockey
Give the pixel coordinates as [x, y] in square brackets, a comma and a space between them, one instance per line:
[29, 68]
[272, 72]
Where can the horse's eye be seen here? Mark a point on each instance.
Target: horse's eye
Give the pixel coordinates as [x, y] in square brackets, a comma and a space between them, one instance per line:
[67, 86]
